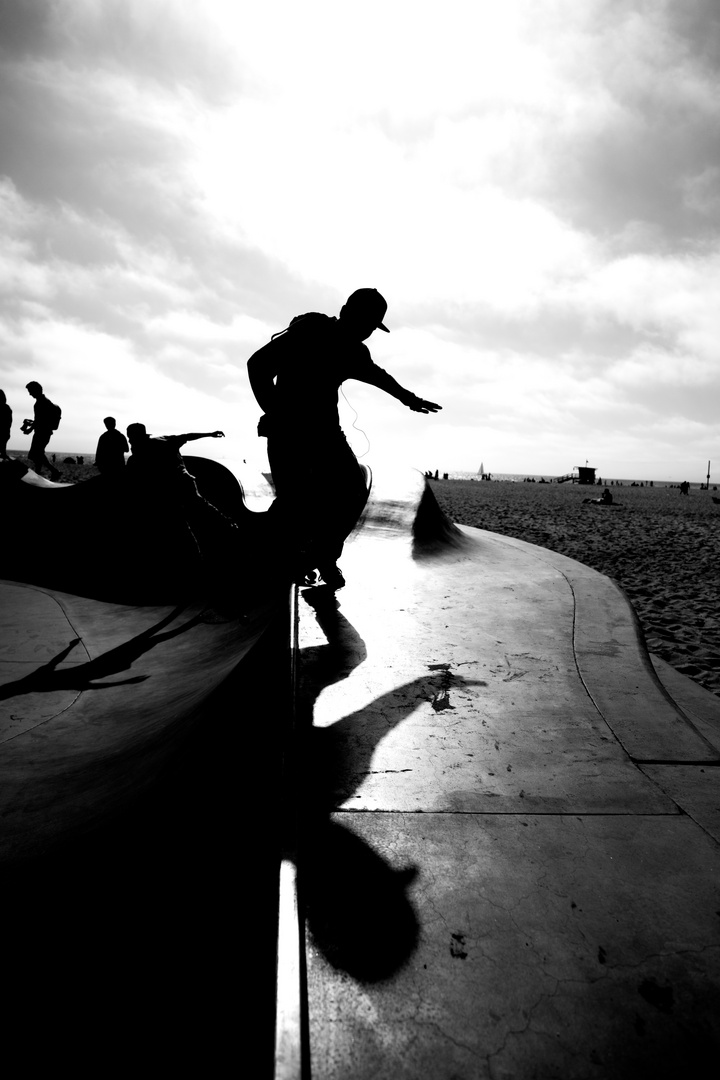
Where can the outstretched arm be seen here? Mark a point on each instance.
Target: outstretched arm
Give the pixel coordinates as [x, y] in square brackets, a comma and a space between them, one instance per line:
[377, 376]
[193, 435]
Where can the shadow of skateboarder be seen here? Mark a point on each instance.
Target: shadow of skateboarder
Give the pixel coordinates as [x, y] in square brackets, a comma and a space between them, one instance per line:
[356, 903]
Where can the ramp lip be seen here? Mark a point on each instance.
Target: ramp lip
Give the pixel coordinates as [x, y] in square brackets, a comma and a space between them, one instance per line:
[403, 505]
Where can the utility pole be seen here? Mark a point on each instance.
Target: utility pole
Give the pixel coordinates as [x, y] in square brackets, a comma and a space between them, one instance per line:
[707, 488]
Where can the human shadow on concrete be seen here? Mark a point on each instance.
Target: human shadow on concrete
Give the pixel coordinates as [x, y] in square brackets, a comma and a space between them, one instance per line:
[47, 677]
[356, 903]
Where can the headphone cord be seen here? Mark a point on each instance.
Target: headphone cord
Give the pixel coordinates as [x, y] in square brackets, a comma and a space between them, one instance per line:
[358, 429]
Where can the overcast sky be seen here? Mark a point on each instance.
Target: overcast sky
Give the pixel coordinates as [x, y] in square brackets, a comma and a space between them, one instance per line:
[534, 186]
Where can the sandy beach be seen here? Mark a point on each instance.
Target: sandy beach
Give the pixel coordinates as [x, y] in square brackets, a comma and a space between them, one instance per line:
[663, 548]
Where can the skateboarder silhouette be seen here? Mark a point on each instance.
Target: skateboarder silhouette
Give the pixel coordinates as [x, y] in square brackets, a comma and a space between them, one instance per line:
[295, 378]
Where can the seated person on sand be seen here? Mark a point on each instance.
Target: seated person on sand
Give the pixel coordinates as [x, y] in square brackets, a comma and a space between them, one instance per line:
[604, 500]
[111, 449]
[157, 469]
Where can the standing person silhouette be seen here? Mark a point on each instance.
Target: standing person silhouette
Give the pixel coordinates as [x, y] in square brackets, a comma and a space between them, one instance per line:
[295, 378]
[111, 449]
[5, 424]
[47, 418]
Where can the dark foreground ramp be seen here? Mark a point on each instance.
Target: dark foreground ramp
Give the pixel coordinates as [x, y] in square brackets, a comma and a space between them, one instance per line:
[113, 640]
[96, 698]
[140, 694]
[507, 850]
[117, 540]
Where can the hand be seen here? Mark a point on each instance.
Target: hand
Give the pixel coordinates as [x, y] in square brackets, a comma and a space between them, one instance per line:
[418, 405]
[217, 434]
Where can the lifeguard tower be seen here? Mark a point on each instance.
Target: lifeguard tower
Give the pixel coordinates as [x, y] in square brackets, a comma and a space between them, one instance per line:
[586, 474]
[581, 474]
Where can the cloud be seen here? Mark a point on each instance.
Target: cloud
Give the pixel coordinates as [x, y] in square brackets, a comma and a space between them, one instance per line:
[533, 187]
[673, 296]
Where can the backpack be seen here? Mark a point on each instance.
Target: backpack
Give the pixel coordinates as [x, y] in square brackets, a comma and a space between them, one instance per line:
[54, 414]
[310, 320]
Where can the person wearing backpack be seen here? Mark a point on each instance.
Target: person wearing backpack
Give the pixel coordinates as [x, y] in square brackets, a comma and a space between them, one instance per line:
[319, 485]
[46, 421]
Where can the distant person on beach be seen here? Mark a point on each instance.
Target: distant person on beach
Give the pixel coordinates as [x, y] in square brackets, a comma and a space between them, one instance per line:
[684, 487]
[45, 422]
[5, 424]
[111, 449]
[295, 378]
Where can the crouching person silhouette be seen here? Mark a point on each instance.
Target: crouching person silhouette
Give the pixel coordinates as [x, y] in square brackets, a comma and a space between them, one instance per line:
[295, 378]
[158, 478]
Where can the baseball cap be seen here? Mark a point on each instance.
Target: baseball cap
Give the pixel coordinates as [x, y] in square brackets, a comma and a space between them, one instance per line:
[370, 302]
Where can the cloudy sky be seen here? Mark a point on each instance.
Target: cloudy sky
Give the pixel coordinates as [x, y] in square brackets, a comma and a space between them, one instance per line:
[534, 185]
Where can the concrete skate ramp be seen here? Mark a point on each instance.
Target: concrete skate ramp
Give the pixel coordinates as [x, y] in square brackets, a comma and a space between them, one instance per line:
[113, 644]
[96, 697]
[508, 829]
